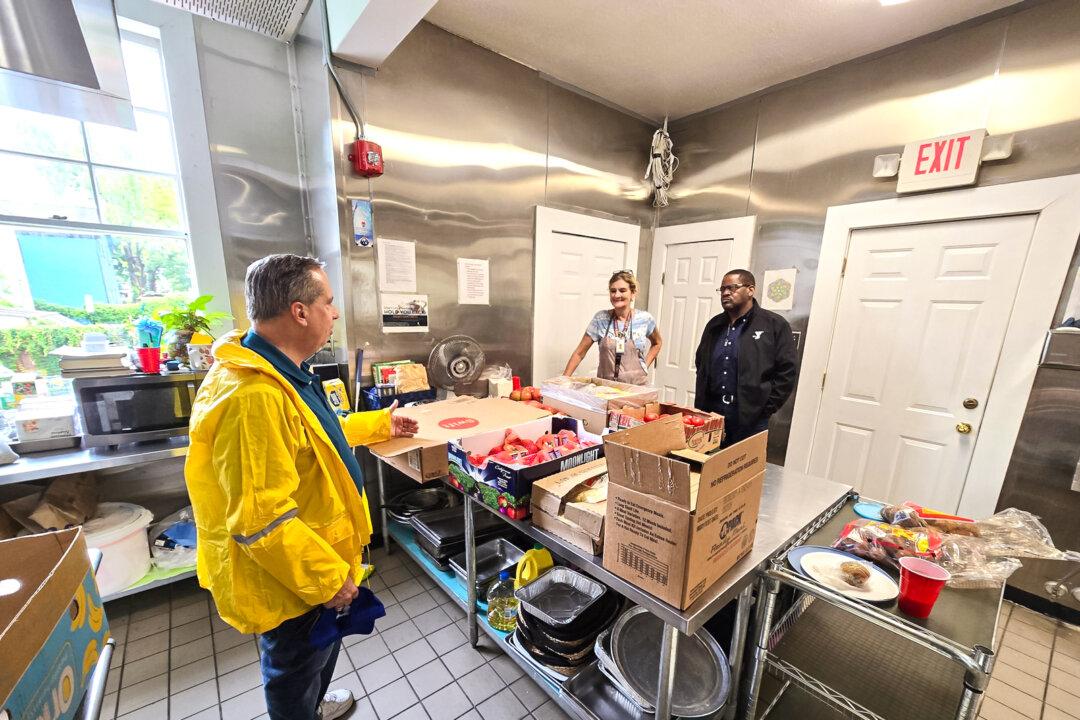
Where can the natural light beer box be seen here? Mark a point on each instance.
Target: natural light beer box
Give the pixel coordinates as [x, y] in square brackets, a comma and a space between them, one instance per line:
[675, 526]
[52, 625]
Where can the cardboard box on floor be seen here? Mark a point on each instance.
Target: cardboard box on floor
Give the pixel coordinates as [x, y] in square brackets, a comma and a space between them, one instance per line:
[705, 438]
[52, 625]
[425, 455]
[579, 523]
[674, 527]
[591, 410]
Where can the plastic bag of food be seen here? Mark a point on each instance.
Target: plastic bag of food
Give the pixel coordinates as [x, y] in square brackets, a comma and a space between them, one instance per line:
[884, 543]
[172, 540]
[988, 559]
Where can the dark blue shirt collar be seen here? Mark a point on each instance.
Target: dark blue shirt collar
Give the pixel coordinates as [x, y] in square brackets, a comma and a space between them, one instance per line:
[281, 362]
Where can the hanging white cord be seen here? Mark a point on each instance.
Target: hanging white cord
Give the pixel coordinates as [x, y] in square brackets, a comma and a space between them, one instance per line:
[662, 165]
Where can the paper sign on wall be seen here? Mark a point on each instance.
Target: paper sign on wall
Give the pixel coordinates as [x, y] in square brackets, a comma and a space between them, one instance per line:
[473, 282]
[362, 223]
[397, 266]
[777, 291]
[404, 312]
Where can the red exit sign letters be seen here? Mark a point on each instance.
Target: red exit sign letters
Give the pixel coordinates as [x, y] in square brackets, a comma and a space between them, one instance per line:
[950, 161]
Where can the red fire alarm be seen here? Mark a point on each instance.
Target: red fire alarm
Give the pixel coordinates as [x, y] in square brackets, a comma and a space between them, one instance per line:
[366, 158]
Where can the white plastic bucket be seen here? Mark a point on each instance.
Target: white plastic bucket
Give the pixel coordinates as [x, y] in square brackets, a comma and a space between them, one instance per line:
[119, 532]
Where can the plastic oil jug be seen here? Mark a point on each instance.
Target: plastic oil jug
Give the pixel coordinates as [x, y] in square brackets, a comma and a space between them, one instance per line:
[532, 565]
[502, 604]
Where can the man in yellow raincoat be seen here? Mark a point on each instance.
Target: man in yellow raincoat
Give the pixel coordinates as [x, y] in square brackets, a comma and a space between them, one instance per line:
[276, 489]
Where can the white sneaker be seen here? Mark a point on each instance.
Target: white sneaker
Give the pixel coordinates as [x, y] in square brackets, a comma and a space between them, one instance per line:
[336, 704]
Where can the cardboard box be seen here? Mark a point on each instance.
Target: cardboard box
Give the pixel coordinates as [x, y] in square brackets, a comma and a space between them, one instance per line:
[508, 488]
[425, 455]
[580, 523]
[52, 625]
[673, 527]
[705, 438]
[591, 410]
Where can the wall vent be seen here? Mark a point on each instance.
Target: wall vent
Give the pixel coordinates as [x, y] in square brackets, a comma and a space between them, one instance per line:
[277, 18]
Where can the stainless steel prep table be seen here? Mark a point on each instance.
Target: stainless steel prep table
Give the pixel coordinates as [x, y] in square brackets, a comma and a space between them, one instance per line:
[868, 661]
[792, 506]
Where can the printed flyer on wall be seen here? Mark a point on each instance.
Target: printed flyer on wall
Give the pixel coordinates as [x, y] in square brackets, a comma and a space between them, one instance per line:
[404, 313]
[362, 223]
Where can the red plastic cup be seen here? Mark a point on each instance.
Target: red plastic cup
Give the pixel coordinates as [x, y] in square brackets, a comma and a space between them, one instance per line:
[920, 584]
[150, 359]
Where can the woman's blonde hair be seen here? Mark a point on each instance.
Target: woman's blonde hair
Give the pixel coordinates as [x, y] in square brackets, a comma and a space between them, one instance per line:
[626, 276]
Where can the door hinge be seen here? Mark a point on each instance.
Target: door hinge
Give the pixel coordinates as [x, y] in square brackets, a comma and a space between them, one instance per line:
[843, 268]
[823, 380]
[663, 277]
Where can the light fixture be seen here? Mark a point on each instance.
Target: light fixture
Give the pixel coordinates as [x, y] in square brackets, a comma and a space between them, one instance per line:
[887, 3]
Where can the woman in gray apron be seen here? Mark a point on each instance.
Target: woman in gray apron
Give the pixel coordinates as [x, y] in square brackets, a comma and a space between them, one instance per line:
[628, 339]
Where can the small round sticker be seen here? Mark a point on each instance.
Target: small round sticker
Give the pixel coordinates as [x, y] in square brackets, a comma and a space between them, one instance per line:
[459, 423]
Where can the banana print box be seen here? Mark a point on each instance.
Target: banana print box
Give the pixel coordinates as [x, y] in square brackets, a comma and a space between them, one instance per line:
[52, 625]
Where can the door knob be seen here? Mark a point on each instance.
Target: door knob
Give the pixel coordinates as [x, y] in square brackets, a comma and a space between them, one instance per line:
[963, 428]
[971, 403]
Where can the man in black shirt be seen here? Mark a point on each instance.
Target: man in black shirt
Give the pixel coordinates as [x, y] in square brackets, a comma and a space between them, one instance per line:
[746, 361]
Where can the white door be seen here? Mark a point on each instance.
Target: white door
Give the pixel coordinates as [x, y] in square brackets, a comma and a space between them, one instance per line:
[920, 323]
[689, 261]
[575, 256]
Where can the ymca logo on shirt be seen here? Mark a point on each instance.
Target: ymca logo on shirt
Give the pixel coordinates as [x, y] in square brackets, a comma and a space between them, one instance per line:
[758, 334]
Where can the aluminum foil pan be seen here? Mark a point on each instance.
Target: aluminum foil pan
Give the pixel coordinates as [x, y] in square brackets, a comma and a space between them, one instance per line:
[559, 596]
[702, 676]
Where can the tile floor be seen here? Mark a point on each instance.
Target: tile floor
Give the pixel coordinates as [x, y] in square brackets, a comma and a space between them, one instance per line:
[176, 659]
[1037, 672]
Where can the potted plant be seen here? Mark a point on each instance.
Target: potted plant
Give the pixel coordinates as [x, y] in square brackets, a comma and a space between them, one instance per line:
[184, 319]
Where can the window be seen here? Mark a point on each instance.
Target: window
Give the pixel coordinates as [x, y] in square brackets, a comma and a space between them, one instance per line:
[93, 217]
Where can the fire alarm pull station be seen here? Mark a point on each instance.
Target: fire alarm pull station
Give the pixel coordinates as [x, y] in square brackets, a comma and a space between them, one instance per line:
[366, 158]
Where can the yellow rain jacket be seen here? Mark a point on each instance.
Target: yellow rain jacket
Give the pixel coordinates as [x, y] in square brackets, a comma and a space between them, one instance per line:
[280, 522]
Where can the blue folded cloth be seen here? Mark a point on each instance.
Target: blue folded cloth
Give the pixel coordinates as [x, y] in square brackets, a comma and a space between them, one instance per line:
[358, 619]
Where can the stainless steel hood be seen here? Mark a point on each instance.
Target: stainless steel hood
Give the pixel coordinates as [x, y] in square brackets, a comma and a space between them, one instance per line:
[63, 57]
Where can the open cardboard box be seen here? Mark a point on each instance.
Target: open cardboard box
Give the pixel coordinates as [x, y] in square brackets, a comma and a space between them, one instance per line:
[591, 410]
[425, 455]
[506, 487]
[675, 526]
[52, 625]
[580, 523]
[705, 438]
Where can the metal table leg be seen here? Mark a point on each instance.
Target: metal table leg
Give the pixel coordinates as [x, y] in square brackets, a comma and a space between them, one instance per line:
[470, 570]
[380, 472]
[738, 647]
[668, 648]
[975, 683]
[769, 589]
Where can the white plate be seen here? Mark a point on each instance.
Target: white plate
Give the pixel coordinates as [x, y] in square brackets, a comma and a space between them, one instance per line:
[824, 567]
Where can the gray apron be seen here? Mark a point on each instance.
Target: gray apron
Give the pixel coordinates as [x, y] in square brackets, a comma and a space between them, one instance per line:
[626, 367]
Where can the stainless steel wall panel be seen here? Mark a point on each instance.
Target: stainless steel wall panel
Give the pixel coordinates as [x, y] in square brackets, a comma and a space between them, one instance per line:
[464, 134]
[1037, 94]
[715, 154]
[253, 148]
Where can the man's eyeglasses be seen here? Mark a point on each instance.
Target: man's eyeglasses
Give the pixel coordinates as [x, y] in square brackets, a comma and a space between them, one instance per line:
[730, 288]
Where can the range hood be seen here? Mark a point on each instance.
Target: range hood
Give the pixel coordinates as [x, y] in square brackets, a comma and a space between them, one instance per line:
[63, 57]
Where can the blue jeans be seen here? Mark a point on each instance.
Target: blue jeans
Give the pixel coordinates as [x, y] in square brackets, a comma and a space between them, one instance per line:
[295, 674]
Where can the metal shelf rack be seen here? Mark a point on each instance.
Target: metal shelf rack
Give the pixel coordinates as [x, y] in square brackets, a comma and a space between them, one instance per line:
[792, 506]
[866, 661]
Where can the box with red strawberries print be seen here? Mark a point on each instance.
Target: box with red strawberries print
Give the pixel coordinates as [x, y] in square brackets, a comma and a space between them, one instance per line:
[499, 467]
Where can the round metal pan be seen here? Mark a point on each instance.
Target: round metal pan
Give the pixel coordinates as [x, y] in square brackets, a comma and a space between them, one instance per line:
[702, 677]
[433, 496]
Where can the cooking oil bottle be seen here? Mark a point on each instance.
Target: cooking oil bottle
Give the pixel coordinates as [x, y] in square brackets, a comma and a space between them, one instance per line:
[502, 605]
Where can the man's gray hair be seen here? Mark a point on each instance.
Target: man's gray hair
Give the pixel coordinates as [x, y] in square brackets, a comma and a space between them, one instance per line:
[275, 282]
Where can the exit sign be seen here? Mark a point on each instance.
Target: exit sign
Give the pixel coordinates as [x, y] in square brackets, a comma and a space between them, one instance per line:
[950, 161]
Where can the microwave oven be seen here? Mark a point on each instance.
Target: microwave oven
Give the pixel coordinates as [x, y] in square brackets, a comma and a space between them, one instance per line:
[135, 408]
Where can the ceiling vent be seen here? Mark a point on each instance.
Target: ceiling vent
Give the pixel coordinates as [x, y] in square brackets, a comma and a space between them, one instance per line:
[277, 18]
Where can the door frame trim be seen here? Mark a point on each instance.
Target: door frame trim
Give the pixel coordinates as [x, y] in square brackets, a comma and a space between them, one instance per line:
[1056, 202]
[740, 231]
[551, 220]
